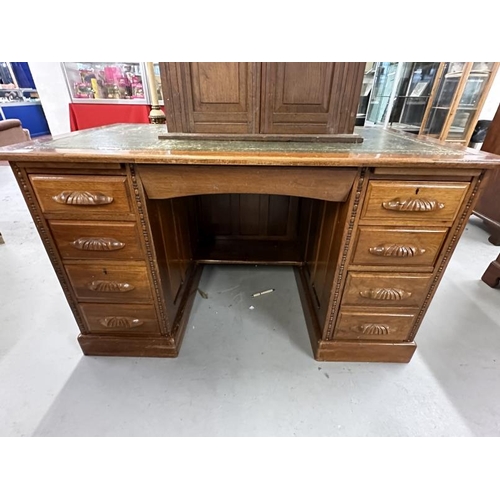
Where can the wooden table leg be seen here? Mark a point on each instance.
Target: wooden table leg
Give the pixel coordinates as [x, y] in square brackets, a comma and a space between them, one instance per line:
[492, 275]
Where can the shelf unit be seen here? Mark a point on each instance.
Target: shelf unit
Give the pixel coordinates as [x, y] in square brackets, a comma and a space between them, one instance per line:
[457, 97]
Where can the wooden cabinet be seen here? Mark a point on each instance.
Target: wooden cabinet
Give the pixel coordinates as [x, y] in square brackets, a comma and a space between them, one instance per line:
[212, 97]
[488, 205]
[267, 98]
[310, 97]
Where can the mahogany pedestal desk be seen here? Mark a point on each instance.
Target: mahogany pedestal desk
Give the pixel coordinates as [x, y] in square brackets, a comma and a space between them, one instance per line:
[129, 220]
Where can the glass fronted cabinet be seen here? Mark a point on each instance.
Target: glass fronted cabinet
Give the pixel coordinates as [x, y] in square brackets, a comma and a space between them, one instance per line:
[107, 82]
[457, 97]
[19, 98]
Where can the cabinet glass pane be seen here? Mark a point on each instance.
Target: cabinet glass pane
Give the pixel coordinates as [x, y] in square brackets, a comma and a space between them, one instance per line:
[105, 80]
[418, 89]
[385, 76]
[157, 82]
[441, 104]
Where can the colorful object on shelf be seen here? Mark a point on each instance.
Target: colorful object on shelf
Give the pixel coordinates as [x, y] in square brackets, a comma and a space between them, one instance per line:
[106, 80]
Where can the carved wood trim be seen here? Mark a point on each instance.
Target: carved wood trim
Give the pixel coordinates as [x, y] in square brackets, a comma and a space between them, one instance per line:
[139, 207]
[396, 250]
[372, 329]
[413, 205]
[98, 244]
[109, 286]
[49, 244]
[120, 322]
[385, 294]
[347, 248]
[82, 198]
[452, 241]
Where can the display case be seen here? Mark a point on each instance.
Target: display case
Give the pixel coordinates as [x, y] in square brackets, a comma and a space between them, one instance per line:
[107, 82]
[459, 92]
[19, 98]
[417, 79]
[104, 93]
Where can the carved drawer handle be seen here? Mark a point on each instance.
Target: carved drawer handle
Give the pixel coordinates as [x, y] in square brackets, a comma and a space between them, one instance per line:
[372, 329]
[396, 250]
[120, 322]
[109, 286]
[98, 244]
[413, 205]
[385, 294]
[82, 198]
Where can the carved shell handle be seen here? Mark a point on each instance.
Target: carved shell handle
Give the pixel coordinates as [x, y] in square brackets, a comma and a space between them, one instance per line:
[120, 322]
[82, 198]
[109, 286]
[396, 250]
[372, 329]
[385, 294]
[413, 205]
[98, 244]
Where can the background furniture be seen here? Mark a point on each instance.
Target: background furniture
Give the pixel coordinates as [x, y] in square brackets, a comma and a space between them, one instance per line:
[19, 98]
[12, 132]
[492, 274]
[104, 93]
[458, 95]
[369, 229]
[488, 205]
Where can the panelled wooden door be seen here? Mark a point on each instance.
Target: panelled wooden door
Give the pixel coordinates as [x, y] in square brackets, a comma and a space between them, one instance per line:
[266, 98]
[212, 97]
[310, 97]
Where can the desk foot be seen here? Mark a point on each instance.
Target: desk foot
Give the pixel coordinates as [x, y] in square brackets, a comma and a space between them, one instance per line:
[104, 345]
[384, 352]
[492, 274]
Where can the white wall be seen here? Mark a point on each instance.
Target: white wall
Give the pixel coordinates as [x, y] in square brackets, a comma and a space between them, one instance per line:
[54, 94]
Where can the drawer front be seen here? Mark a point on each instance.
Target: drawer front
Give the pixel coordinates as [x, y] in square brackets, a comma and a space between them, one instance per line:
[110, 283]
[406, 201]
[122, 319]
[97, 240]
[385, 290]
[398, 246]
[82, 194]
[374, 326]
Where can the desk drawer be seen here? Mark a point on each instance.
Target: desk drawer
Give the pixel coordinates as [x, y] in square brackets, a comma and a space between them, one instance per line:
[386, 290]
[84, 195]
[407, 201]
[127, 319]
[97, 240]
[110, 282]
[364, 325]
[401, 247]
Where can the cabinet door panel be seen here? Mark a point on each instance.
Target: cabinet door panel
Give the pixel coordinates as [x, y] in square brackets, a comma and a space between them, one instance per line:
[310, 97]
[212, 97]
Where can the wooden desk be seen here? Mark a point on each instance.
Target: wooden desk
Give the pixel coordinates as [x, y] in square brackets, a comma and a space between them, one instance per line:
[128, 222]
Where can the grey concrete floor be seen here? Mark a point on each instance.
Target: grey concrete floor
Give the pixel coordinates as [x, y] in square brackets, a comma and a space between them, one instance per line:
[241, 371]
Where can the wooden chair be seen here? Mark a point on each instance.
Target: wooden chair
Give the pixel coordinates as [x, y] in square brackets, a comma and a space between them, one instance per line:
[12, 132]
